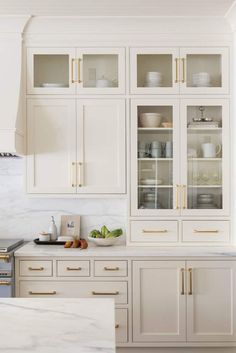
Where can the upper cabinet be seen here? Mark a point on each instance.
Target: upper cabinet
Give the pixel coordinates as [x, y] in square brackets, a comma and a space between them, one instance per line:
[179, 70]
[71, 71]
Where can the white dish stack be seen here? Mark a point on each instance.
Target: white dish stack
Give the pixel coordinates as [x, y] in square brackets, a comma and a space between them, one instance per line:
[201, 79]
[153, 79]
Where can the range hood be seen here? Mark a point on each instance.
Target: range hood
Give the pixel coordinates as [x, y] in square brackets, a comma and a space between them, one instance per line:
[12, 120]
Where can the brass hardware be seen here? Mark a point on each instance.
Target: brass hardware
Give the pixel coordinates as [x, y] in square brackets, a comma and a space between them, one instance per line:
[5, 257]
[72, 71]
[155, 231]
[176, 70]
[212, 231]
[80, 183]
[111, 268]
[184, 187]
[183, 68]
[177, 197]
[105, 293]
[190, 292]
[73, 170]
[5, 283]
[182, 281]
[43, 293]
[79, 61]
[117, 326]
[74, 268]
[36, 268]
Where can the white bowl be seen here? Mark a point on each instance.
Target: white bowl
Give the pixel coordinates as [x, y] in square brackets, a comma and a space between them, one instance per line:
[103, 241]
[150, 119]
[153, 74]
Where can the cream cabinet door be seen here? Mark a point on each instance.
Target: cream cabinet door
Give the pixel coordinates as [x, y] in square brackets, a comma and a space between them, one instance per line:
[101, 144]
[211, 311]
[159, 302]
[51, 147]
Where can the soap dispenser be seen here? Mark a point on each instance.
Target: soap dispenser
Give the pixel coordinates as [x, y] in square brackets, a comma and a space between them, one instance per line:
[53, 229]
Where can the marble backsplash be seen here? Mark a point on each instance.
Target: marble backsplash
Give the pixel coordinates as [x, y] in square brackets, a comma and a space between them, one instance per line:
[22, 216]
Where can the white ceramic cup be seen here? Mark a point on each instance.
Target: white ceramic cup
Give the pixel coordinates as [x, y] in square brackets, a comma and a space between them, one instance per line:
[210, 150]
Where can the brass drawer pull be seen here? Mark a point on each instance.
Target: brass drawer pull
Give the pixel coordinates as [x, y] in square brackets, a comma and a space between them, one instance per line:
[5, 283]
[43, 293]
[79, 71]
[5, 257]
[36, 268]
[155, 231]
[183, 66]
[72, 71]
[190, 292]
[117, 325]
[74, 268]
[80, 176]
[182, 281]
[73, 174]
[111, 268]
[105, 293]
[211, 231]
[176, 70]
[184, 187]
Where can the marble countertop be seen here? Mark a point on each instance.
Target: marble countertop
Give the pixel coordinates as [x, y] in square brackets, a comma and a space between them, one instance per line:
[57, 325]
[31, 249]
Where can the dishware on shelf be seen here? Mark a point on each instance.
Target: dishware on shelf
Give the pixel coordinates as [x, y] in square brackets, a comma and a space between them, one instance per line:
[192, 153]
[156, 149]
[153, 79]
[151, 181]
[168, 149]
[201, 79]
[167, 124]
[150, 120]
[210, 150]
[103, 82]
[53, 85]
[205, 199]
[143, 148]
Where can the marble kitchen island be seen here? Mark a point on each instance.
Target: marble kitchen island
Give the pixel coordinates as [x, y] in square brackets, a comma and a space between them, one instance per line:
[43, 325]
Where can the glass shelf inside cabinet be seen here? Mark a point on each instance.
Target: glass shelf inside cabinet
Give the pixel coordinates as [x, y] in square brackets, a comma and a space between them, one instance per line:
[204, 70]
[154, 70]
[51, 70]
[155, 157]
[100, 70]
[205, 151]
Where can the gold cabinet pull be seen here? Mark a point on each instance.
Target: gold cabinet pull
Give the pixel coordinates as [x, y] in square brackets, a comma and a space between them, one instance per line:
[73, 174]
[36, 268]
[105, 293]
[5, 258]
[79, 71]
[176, 70]
[146, 231]
[80, 174]
[210, 231]
[117, 325]
[183, 68]
[182, 281]
[72, 71]
[111, 268]
[74, 268]
[43, 293]
[190, 292]
[5, 283]
[177, 207]
[184, 187]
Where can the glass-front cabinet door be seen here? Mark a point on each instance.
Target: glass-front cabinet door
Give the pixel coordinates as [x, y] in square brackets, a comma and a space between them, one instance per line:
[205, 157]
[154, 70]
[155, 157]
[204, 70]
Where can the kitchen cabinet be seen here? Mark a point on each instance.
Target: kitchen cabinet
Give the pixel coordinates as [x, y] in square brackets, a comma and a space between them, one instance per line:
[76, 147]
[195, 70]
[75, 70]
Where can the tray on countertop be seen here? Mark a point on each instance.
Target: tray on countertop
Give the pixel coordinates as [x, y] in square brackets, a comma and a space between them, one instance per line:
[38, 242]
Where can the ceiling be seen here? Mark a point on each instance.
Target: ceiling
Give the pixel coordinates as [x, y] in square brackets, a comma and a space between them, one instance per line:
[116, 7]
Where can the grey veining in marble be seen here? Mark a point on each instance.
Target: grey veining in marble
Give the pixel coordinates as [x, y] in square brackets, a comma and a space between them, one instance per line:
[24, 217]
[57, 325]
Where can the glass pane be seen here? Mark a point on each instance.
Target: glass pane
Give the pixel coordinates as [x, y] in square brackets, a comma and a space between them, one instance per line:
[100, 70]
[204, 70]
[51, 70]
[204, 141]
[155, 157]
[154, 70]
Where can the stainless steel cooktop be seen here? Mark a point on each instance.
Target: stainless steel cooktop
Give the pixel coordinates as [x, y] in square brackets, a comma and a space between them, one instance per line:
[7, 245]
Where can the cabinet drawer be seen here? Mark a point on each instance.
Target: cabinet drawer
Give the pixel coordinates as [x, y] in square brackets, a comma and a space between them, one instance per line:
[110, 268]
[73, 268]
[154, 231]
[206, 231]
[121, 320]
[36, 268]
[60, 289]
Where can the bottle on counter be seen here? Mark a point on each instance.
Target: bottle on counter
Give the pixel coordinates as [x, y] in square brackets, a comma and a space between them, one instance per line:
[53, 229]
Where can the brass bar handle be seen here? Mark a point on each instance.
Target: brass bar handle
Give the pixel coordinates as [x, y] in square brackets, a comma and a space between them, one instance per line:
[210, 231]
[190, 292]
[105, 293]
[146, 231]
[184, 187]
[182, 281]
[177, 207]
[5, 283]
[72, 71]
[36, 268]
[43, 293]
[111, 268]
[74, 268]
[73, 172]
[5, 257]
[117, 325]
[176, 70]
[183, 68]
[80, 174]
[79, 71]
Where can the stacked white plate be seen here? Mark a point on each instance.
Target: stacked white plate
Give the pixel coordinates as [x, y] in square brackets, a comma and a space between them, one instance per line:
[153, 79]
[201, 79]
[150, 120]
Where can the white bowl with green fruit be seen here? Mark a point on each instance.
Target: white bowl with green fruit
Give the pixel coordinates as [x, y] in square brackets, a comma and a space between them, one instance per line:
[104, 237]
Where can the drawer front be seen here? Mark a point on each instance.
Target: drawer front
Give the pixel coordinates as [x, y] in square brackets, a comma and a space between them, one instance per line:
[154, 231]
[110, 268]
[73, 268]
[121, 322]
[206, 231]
[60, 289]
[35, 268]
